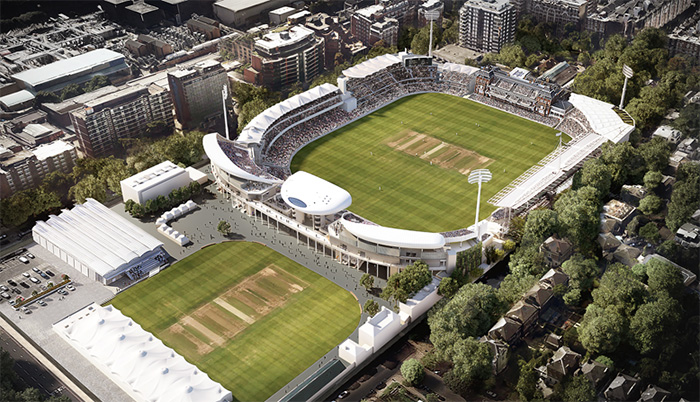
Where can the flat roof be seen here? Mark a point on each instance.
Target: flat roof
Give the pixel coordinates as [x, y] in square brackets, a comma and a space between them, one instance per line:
[273, 40]
[159, 173]
[239, 5]
[52, 149]
[394, 237]
[73, 65]
[283, 10]
[371, 10]
[313, 195]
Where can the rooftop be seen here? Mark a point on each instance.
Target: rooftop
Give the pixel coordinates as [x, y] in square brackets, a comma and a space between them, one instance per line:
[283, 10]
[74, 65]
[312, 195]
[279, 39]
[151, 176]
[489, 5]
[239, 5]
[16, 98]
[52, 149]
[371, 10]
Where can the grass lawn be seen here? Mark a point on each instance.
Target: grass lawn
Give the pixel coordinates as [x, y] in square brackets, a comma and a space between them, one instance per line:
[307, 315]
[376, 151]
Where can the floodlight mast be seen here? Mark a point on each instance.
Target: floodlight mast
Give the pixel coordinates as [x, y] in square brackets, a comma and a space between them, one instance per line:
[224, 95]
[628, 73]
[431, 16]
[478, 176]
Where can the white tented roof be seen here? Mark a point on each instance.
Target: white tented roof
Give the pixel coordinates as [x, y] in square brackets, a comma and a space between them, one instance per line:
[313, 195]
[136, 360]
[97, 237]
[371, 66]
[394, 237]
[253, 132]
[460, 68]
[218, 157]
[154, 175]
[602, 118]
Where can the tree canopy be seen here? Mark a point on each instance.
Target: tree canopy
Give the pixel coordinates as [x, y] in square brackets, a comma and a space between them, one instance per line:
[412, 371]
[406, 283]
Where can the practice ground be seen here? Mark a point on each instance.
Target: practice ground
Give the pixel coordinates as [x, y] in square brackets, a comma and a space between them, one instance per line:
[249, 317]
[421, 160]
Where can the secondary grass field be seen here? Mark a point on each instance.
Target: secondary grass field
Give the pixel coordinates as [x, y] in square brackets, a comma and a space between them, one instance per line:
[249, 317]
[419, 151]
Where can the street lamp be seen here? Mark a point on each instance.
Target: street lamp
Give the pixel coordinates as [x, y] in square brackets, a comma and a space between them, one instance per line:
[478, 176]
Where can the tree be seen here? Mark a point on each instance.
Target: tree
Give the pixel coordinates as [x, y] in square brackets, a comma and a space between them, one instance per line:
[649, 232]
[578, 215]
[249, 110]
[654, 324]
[655, 154]
[579, 389]
[540, 224]
[89, 187]
[513, 287]
[572, 298]
[448, 287]
[412, 371]
[602, 329]
[15, 210]
[406, 283]
[224, 228]
[665, 279]
[597, 175]
[367, 281]
[471, 364]
[512, 55]
[650, 204]
[652, 180]
[470, 313]
[371, 307]
[619, 287]
[582, 272]
[688, 121]
[420, 42]
[528, 260]
[602, 359]
[527, 381]
[516, 228]
[623, 161]
[112, 172]
[685, 198]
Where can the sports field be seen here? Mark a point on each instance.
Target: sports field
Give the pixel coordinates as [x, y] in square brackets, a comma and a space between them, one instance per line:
[406, 165]
[249, 317]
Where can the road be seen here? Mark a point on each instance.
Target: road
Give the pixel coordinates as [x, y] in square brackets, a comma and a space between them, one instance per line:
[30, 370]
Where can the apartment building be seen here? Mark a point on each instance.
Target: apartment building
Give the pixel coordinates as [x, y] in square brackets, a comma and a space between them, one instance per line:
[196, 93]
[486, 25]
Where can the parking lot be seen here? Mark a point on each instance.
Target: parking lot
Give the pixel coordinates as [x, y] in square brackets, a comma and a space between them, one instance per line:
[23, 275]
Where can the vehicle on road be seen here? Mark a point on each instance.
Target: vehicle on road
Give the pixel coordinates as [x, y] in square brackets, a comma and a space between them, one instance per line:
[33, 279]
[24, 259]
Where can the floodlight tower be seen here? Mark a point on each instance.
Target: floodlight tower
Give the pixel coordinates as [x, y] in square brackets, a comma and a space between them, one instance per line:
[224, 95]
[478, 176]
[431, 16]
[628, 73]
[560, 152]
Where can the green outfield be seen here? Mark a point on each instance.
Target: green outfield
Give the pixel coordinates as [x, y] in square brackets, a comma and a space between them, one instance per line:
[249, 317]
[406, 165]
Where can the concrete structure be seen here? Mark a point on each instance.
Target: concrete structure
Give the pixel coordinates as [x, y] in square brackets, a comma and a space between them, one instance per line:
[685, 39]
[76, 70]
[628, 17]
[558, 12]
[279, 16]
[195, 93]
[100, 243]
[15, 101]
[242, 13]
[102, 120]
[160, 179]
[135, 359]
[486, 25]
[280, 59]
[26, 169]
[206, 26]
[668, 133]
[372, 24]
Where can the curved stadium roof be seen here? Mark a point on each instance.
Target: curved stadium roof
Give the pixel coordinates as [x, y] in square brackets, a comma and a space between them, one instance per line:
[371, 66]
[218, 157]
[313, 195]
[394, 237]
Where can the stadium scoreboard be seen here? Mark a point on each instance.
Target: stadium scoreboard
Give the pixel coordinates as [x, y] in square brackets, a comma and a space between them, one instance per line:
[418, 61]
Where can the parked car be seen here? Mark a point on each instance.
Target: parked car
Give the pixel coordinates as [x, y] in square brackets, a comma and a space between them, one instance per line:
[24, 259]
[35, 269]
[24, 285]
[43, 275]
[13, 302]
[30, 255]
[48, 271]
[3, 236]
[15, 290]
[70, 287]
[62, 292]
[4, 288]
[42, 303]
[343, 394]
[11, 282]
[25, 274]
[5, 295]
[33, 279]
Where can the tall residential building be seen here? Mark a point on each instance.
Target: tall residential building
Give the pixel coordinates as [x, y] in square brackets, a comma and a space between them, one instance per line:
[196, 93]
[26, 169]
[486, 25]
[281, 59]
[559, 12]
[372, 24]
[101, 121]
